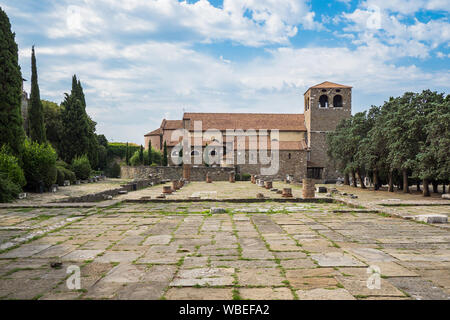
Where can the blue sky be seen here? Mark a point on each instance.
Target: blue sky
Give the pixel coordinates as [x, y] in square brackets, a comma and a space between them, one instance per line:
[144, 60]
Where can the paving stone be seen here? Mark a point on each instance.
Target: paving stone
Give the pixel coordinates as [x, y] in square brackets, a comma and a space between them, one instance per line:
[56, 251]
[125, 273]
[199, 294]
[195, 262]
[81, 255]
[118, 256]
[297, 264]
[324, 294]
[420, 289]
[204, 276]
[103, 290]
[159, 273]
[266, 293]
[159, 239]
[239, 264]
[370, 255]
[24, 251]
[260, 277]
[358, 287]
[336, 259]
[141, 291]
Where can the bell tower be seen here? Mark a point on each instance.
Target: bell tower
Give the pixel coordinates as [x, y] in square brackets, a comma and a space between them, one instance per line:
[326, 104]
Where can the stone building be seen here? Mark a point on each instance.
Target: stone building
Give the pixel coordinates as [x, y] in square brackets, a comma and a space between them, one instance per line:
[246, 140]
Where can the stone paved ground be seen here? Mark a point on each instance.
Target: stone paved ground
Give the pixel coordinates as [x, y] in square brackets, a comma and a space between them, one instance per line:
[216, 190]
[398, 203]
[255, 251]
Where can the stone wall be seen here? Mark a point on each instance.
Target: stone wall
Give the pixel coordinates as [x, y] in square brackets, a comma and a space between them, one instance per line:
[175, 173]
[100, 196]
[293, 163]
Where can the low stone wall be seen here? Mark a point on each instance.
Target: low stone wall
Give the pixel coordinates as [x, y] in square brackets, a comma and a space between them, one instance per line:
[100, 196]
[175, 173]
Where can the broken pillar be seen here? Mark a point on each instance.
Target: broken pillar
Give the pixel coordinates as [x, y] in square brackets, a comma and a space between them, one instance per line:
[268, 185]
[309, 189]
[287, 193]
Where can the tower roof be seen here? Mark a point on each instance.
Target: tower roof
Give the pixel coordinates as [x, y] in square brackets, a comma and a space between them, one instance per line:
[329, 85]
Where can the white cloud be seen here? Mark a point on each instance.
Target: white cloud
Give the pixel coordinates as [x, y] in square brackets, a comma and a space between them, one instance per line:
[249, 22]
[383, 22]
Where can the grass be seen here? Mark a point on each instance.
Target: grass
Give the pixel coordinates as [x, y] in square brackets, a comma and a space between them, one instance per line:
[42, 217]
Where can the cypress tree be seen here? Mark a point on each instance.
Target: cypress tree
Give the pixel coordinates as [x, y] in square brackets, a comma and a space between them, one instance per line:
[150, 155]
[35, 111]
[165, 160]
[127, 156]
[11, 124]
[75, 129]
[93, 146]
[141, 155]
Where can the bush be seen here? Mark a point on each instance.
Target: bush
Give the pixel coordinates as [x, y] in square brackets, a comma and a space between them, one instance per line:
[135, 160]
[12, 178]
[114, 170]
[64, 174]
[119, 149]
[246, 177]
[8, 189]
[39, 164]
[9, 166]
[81, 167]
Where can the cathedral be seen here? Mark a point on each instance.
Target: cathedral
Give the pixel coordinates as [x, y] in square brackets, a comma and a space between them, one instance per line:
[240, 139]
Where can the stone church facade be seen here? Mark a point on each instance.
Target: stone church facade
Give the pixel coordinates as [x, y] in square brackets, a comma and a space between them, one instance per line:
[299, 138]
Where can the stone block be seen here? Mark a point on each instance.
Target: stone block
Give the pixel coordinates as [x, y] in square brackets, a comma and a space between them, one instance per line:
[322, 190]
[432, 218]
[446, 196]
[217, 210]
[287, 193]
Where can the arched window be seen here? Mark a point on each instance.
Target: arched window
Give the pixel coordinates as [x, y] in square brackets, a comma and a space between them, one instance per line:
[195, 153]
[289, 155]
[323, 101]
[213, 153]
[337, 101]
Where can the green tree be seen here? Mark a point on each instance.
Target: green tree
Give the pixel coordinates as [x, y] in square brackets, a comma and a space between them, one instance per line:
[433, 127]
[150, 152]
[93, 145]
[35, 110]
[165, 159]
[337, 142]
[11, 124]
[39, 165]
[74, 140]
[141, 155]
[53, 123]
[127, 156]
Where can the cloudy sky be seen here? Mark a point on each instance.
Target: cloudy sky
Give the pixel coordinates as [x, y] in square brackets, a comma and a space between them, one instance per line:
[143, 60]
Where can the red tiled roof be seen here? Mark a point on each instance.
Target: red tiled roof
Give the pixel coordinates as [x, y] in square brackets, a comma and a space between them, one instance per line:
[328, 84]
[171, 124]
[245, 121]
[156, 132]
